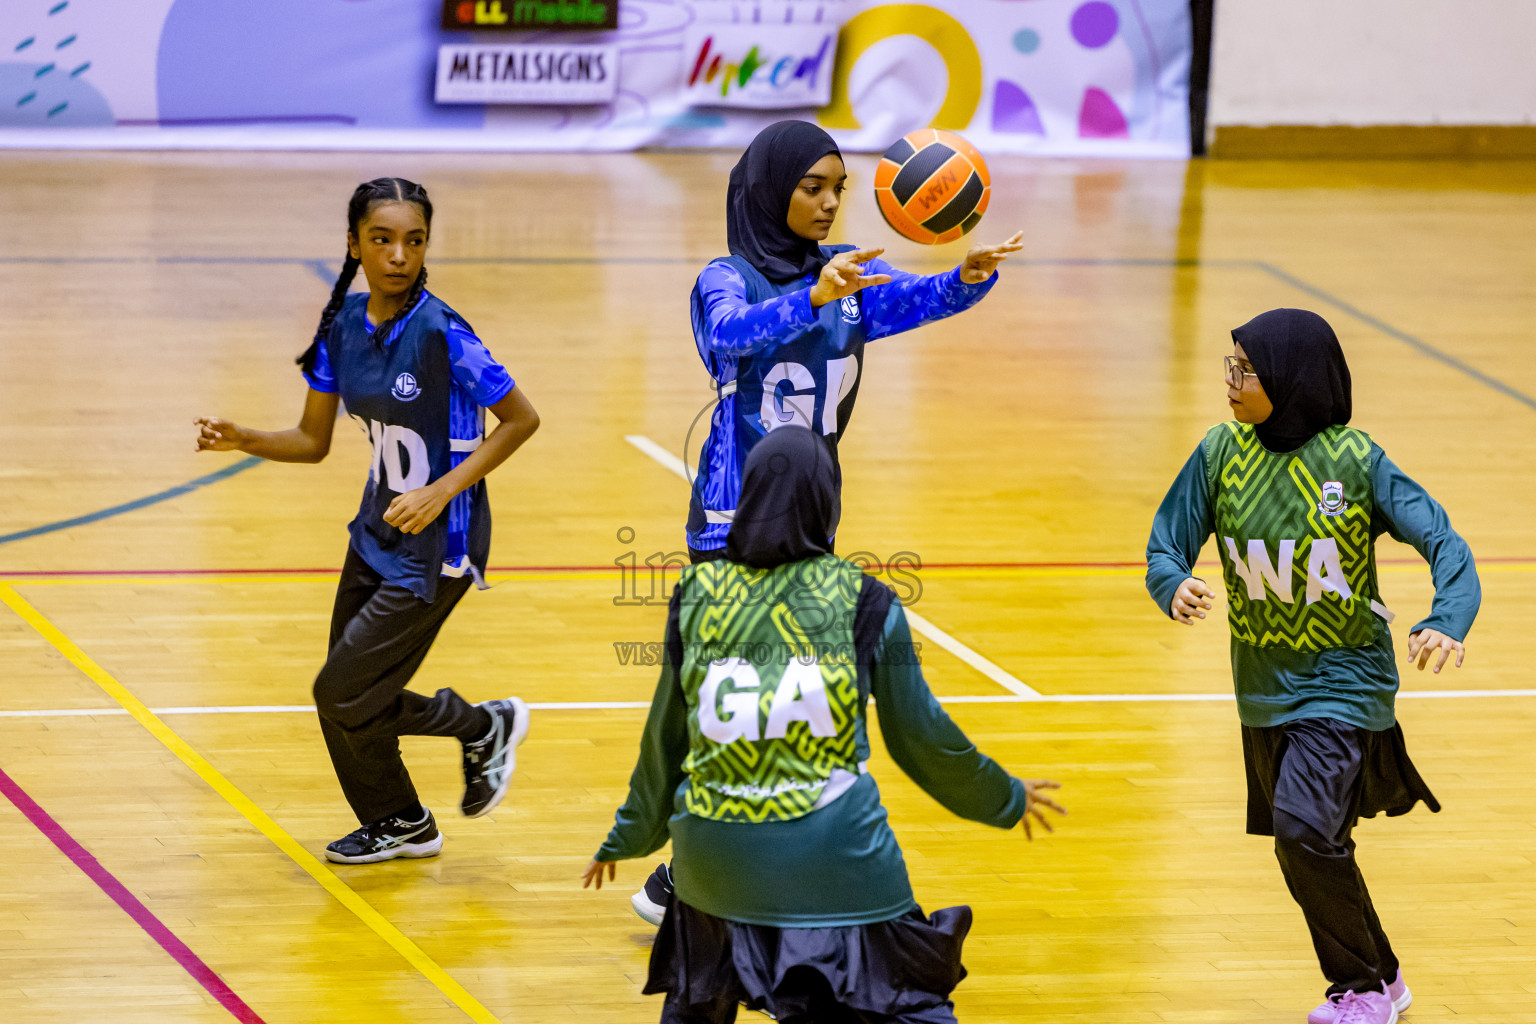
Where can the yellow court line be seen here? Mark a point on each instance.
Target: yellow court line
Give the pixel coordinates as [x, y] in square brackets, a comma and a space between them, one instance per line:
[248, 809]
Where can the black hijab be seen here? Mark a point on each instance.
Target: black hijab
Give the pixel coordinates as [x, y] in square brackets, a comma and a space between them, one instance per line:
[1299, 362]
[757, 201]
[789, 502]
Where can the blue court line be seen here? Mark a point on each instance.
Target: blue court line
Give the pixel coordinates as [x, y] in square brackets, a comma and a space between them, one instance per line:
[1419, 345]
[137, 503]
[323, 271]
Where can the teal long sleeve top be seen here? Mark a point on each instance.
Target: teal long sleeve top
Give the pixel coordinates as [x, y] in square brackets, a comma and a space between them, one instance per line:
[840, 864]
[1357, 685]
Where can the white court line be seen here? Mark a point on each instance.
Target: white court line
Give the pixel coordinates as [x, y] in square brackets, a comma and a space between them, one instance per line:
[269, 709]
[988, 668]
[637, 705]
[661, 455]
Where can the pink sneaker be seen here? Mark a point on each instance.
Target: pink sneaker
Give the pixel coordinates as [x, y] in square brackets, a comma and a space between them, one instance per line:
[1328, 1012]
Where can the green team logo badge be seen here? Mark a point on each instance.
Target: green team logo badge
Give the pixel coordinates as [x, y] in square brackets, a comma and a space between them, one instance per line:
[1333, 503]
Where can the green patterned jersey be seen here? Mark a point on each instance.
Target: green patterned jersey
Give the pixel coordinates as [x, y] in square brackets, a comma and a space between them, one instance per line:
[771, 683]
[1294, 533]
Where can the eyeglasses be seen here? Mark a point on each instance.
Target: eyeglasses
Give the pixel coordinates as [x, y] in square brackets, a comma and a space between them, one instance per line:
[1236, 373]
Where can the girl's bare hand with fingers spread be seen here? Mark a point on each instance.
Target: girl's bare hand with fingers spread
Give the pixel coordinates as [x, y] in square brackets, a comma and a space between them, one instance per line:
[982, 261]
[1034, 800]
[844, 275]
[307, 442]
[1189, 601]
[593, 876]
[1426, 642]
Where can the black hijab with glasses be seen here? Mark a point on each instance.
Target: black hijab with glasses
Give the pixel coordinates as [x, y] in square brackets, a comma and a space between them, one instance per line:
[757, 200]
[1299, 362]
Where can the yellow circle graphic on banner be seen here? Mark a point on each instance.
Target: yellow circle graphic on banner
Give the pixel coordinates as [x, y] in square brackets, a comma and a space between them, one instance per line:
[933, 26]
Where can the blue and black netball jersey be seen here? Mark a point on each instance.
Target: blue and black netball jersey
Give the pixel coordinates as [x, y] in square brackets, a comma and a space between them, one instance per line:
[420, 397]
[777, 361]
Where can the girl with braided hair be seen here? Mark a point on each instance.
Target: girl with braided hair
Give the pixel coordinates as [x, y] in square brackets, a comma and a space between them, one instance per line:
[418, 380]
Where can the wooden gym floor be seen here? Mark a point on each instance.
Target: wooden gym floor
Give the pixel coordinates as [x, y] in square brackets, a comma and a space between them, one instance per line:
[1019, 450]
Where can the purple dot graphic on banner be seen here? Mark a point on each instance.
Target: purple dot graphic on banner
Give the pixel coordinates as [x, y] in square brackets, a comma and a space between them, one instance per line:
[1013, 110]
[1095, 23]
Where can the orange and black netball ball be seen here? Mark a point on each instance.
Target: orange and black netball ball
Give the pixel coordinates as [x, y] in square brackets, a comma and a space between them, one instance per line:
[932, 186]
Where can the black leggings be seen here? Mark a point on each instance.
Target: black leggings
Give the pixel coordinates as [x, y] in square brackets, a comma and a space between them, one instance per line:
[1308, 781]
[1326, 883]
[380, 633]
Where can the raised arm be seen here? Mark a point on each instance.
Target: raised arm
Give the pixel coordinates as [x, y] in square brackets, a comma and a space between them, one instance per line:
[1183, 521]
[726, 324]
[310, 441]
[912, 300]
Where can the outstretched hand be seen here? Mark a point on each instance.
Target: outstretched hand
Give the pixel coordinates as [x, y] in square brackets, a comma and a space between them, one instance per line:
[593, 876]
[1034, 800]
[1426, 642]
[844, 275]
[216, 435]
[982, 260]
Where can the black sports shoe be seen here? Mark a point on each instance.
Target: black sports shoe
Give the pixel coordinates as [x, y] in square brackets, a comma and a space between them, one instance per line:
[654, 896]
[386, 840]
[488, 762]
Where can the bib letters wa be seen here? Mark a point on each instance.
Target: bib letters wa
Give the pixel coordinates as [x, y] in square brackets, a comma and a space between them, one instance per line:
[1294, 534]
[771, 683]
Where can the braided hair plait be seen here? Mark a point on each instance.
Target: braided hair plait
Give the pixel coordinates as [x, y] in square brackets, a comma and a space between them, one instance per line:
[364, 197]
[328, 314]
[381, 332]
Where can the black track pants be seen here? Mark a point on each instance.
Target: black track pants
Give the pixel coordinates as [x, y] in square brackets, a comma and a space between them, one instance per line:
[380, 633]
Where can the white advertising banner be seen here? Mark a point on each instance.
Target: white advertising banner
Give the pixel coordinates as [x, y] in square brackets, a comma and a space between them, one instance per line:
[1053, 77]
[527, 73]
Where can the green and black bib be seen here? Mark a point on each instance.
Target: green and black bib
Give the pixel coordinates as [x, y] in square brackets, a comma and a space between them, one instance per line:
[1294, 533]
[771, 682]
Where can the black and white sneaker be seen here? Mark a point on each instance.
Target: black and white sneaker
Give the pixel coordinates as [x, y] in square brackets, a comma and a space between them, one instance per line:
[654, 896]
[489, 762]
[386, 840]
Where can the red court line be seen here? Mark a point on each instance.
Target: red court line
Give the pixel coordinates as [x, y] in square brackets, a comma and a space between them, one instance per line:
[141, 914]
[642, 567]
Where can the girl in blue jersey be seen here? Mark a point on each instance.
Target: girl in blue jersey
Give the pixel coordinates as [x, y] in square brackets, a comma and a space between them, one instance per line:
[417, 379]
[781, 323]
[1312, 656]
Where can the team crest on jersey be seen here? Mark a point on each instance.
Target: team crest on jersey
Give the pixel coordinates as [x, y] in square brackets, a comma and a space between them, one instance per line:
[405, 388]
[1333, 503]
[850, 307]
